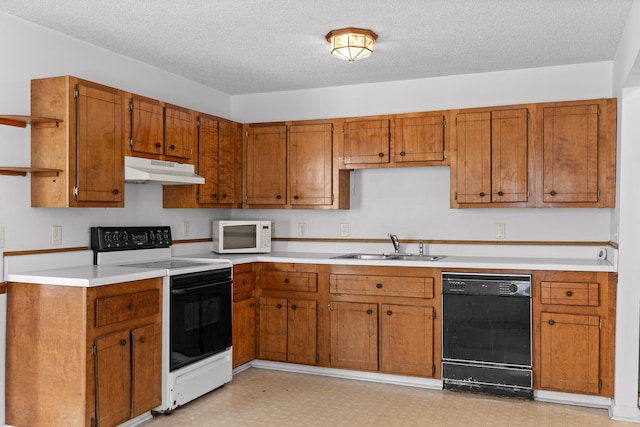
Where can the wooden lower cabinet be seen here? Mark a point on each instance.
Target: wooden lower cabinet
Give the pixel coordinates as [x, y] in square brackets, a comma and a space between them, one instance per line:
[288, 330]
[573, 331]
[244, 315]
[83, 356]
[384, 319]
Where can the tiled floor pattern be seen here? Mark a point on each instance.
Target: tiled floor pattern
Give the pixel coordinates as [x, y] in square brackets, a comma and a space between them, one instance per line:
[259, 397]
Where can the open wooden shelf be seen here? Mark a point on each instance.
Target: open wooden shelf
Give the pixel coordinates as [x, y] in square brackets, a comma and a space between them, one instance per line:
[36, 122]
[23, 121]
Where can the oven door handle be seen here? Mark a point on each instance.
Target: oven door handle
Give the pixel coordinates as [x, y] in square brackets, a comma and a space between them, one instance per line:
[190, 289]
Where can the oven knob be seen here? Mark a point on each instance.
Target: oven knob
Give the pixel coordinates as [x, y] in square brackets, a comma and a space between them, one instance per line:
[152, 236]
[116, 237]
[166, 235]
[513, 288]
[125, 236]
[107, 236]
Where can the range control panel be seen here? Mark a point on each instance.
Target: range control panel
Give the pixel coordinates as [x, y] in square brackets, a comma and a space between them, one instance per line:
[105, 239]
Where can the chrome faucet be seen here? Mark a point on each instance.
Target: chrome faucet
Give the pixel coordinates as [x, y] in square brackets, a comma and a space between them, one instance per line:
[420, 248]
[395, 242]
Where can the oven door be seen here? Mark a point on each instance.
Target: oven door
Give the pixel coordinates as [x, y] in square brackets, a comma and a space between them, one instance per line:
[200, 322]
[481, 328]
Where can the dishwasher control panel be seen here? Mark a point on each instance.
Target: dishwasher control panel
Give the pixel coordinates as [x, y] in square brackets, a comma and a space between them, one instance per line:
[486, 284]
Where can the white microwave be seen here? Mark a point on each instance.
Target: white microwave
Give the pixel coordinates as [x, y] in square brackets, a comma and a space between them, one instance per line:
[241, 237]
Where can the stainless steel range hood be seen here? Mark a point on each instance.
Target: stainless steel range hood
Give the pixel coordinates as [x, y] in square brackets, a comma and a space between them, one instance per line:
[147, 171]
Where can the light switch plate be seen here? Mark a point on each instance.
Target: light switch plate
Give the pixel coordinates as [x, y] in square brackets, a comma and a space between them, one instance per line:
[499, 230]
[344, 229]
[302, 229]
[56, 234]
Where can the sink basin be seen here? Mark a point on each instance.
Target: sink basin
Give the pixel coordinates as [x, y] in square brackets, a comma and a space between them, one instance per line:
[406, 257]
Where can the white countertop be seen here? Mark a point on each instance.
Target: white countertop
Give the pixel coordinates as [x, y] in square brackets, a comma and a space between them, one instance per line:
[449, 262]
[86, 275]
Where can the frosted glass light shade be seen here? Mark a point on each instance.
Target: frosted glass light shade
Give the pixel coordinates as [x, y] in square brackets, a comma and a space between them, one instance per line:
[351, 43]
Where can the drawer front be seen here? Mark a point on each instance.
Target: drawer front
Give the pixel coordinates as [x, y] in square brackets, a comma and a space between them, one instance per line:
[413, 287]
[570, 293]
[289, 281]
[243, 286]
[124, 307]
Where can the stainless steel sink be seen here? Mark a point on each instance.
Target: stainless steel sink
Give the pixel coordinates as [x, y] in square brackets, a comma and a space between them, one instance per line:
[405, 257]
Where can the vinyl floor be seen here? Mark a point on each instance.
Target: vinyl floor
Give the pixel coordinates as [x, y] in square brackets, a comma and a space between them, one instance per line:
[261, 397]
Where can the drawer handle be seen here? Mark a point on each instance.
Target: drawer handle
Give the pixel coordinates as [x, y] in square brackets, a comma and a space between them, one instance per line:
[500, 193]
[553, 193]
[143, 340]
[115, 191]
[402, 154]
[214, 195]
[294, 307]
[381, 155]
[552, 322]
[286, 281]
[279, 306]
[482, 194]
[224, 196]
[132, 306]
[389, 312]
[172, 146]
[158, 145]
[278, 197]
[369, 311]
[569, 293]
[379, 285]
[296, 197]
[123, 342]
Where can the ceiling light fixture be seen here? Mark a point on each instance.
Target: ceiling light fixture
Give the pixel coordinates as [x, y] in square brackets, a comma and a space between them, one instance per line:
[351, 43]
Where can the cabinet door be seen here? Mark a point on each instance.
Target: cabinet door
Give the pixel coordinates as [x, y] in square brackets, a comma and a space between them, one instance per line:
[113, 378]
[473, 157]
[99, 175]
[180, 132]
[244, 331]
[509, 135]
[208, 154]
[354, 335]
[419, 139]
[310, 164]
[406, 340]
[273, 329]
[266, 165]
[229, 163]
[146, 349]
[570, 348]
[570, 154]
[366, 141]
[302, 321]
[147, 127]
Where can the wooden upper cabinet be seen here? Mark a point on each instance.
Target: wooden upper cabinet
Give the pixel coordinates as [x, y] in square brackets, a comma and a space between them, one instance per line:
[229, 164]
[491, 164]
[310, 164]
[473, 157]
[159, 130]
[147, 126]
[366, 141]
[86, 146]
[419, 139]
[576, 153]
[208, 156]
[266, 165]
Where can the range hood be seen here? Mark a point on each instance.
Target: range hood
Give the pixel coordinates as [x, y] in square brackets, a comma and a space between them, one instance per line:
[148, 171]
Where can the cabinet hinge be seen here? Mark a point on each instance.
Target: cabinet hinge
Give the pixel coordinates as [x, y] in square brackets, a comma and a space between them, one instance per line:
[131, 143]
[198, 123]
[93, 422]
[75, 191]
[456, 121]
[598, 195]
[600, 324]
[246, 134]
[332, 130]
[433, 370]
[528, 115]
[317, 357]
[131, 106]
[329, 306]
[599, 111]
[94, 350]
[599, 385]
[455, 196]
[332, 198]
[198, 196]
[76, 93]
[444, 123]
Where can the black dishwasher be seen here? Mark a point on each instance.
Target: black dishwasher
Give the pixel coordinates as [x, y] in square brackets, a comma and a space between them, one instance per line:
[486, 333]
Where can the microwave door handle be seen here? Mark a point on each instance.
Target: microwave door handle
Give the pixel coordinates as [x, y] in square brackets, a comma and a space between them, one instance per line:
[191, 289]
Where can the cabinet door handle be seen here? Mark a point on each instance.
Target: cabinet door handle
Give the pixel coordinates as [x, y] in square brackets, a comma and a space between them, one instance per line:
[569, 293]
[389, 312]
[172, 146]
[369, 311]
[158, 145]
[402, 154]
[132, 306]
[123, 342]
[381, 155]
[294, 307]
[143, 340]
[379, 285]
[553, 193]
[244, 282]
[278, 197]
[224, 196]
[286, 281]
[115, 191]
[552, 322]
[296, 197]
[279, 306]
[482, 194]
[500, 193]
[215, 196]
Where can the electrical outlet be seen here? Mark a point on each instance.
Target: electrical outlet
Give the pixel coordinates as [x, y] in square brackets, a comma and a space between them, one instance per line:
[344, 229]
[1, 236]
[186, 228]
[56, 234]
[302, 229]
[499, 231]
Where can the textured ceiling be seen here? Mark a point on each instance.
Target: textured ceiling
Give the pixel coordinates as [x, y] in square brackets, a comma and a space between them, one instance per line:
[242, 46]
